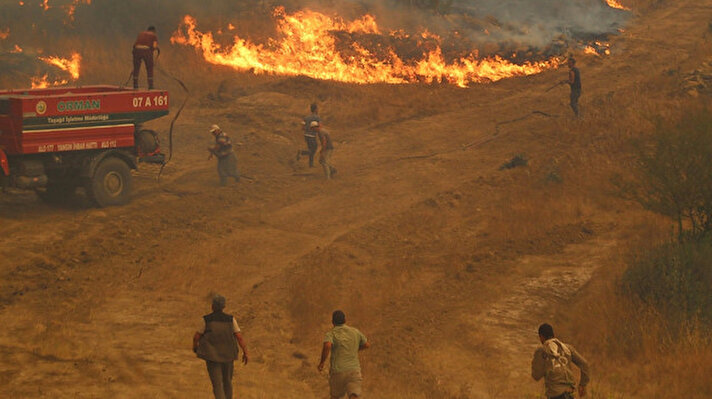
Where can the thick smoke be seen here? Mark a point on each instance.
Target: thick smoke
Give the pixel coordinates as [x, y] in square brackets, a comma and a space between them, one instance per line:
[534, 23]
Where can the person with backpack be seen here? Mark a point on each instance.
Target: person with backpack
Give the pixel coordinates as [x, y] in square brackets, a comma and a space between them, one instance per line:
[552, 361]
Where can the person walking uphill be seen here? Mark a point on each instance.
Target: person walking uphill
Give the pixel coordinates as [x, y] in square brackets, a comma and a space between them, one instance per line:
[344, 343]
[326, 149]
[552, 361]
[146, 43]
[310, 135]
[216, 342]
[224, 152]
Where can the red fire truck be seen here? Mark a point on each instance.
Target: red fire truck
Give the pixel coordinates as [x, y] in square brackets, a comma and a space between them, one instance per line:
[57, 139]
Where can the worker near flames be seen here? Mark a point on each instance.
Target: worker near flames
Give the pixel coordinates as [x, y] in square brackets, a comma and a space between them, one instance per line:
[574, 82]
[343, 343]
[216, 342]
[143, 49]
[552, 361]
[310, 134]
[326, 149]
[224, 152]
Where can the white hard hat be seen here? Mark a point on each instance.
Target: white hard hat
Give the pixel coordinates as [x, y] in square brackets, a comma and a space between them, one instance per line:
[214, 128]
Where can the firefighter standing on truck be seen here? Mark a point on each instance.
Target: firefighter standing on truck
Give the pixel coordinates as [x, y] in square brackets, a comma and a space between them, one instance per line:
[223, 151]
[146, 43]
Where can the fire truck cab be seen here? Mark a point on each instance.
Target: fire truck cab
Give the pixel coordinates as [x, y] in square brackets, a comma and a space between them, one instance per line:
[58, 139]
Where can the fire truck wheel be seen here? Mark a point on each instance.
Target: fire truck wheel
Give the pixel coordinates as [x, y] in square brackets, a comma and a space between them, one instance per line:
[111, 184]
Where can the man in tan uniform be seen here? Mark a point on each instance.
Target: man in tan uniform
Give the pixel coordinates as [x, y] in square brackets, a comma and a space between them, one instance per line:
[216, 342]
[344, 343]
[552, 361]
[326, 149]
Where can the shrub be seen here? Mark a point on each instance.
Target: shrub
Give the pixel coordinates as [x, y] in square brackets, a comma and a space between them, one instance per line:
[675, 173]
[674, 278]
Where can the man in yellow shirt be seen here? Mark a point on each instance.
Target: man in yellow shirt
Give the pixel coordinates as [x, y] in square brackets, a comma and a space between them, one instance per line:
[344, 343]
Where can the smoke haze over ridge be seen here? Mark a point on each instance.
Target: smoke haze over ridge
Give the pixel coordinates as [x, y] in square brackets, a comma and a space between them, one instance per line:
[529, 22]
[484, 27]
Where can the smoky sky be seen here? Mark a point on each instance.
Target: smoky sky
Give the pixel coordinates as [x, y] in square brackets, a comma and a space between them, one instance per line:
[486, 26]
[530, 22]
[526, 22]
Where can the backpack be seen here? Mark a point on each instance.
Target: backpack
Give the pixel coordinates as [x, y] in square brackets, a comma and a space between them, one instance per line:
[558, 357]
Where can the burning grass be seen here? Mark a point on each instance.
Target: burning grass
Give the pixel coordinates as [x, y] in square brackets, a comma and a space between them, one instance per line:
[307, 47]
[319, 45]
[70, 65]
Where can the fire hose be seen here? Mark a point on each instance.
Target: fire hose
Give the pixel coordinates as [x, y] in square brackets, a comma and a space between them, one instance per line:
[175, 118]
[563, 82]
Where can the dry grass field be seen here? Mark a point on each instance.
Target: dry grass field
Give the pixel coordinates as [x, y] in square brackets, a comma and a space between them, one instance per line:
[447, 263]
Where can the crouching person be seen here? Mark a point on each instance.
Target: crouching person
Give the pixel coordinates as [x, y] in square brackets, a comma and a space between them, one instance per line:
[224, 152]
[552, 362]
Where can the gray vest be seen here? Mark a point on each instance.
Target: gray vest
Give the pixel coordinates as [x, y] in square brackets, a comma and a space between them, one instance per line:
[218, 343]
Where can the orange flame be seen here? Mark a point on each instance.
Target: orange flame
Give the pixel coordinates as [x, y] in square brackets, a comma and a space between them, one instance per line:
[16, 50]
[4, 34]
[590, 50]
[307, 47]
[71, 65]
[72, 8]
[43, 82]
[616, 4]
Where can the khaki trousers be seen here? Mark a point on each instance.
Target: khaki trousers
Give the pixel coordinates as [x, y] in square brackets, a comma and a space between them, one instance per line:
[221, 378]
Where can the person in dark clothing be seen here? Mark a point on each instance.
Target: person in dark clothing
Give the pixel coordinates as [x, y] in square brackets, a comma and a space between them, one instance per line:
[216, 342]
[574, 82]
[310, 135]
[223, 150]
[146, 43]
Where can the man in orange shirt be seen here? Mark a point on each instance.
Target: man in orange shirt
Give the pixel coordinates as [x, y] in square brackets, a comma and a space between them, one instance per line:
[146, 43]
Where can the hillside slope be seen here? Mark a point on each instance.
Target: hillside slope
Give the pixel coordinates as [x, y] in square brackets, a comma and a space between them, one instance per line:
[445, 262]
